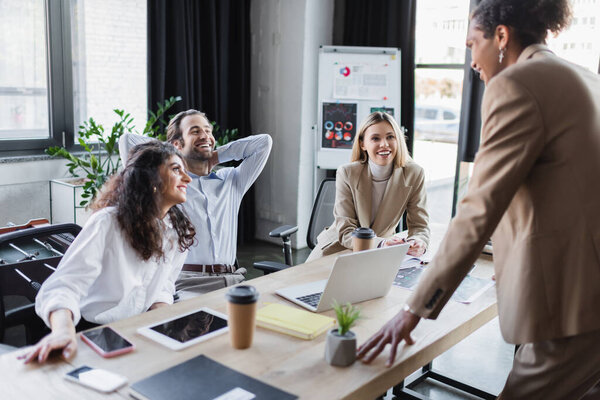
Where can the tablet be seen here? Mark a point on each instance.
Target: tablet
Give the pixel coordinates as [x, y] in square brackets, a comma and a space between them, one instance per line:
[185, 330]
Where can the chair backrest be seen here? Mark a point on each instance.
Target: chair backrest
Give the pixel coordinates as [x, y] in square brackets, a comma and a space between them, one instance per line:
[322, 212]
[45, 246]
[27, 258]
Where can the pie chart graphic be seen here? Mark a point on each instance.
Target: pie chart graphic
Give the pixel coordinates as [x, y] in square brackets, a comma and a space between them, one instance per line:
[345, 71]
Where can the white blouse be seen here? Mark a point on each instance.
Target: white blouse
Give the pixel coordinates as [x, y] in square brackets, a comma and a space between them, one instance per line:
[103, 279]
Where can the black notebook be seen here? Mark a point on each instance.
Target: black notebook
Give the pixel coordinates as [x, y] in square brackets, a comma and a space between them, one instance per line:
[202, 378]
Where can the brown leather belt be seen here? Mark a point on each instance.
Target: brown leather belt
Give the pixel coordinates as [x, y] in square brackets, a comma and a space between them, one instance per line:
[209, 268]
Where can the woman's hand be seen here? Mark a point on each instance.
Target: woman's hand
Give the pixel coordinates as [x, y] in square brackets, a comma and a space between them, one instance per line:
[393, 241]
[156, 305]
[62, 337]
[417, 248]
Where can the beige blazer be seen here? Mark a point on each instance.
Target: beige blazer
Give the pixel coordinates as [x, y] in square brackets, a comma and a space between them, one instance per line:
[354, 183]
[536, 187]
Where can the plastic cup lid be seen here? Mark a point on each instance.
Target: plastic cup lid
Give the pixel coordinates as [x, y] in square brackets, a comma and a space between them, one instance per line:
[363, 233]
[242, 294]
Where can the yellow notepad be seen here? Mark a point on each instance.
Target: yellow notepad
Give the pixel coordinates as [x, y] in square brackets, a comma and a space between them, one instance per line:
[293, 321]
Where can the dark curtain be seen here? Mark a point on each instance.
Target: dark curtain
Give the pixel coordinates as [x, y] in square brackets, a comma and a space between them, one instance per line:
[469, 132]
[470, 118]
[383, 23]
[200, 50]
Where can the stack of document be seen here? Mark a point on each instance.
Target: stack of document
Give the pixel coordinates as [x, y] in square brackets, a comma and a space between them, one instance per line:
[293, 321]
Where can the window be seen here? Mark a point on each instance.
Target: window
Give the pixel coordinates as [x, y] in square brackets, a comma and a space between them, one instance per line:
[580, 42]
[62, 61]
[449, 115]
[440, 57]
[109, 59]
[23, 78]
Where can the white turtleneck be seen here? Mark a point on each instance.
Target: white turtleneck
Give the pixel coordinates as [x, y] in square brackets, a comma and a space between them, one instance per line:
[381, 175]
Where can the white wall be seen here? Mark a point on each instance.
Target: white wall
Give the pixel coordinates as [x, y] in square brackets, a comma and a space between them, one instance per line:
[25, 189]
[286, 36]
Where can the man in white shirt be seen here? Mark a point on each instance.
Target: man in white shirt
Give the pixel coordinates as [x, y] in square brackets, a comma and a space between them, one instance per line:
[213, 198]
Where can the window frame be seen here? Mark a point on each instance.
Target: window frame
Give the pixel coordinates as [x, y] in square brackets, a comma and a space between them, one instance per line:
[59, 70]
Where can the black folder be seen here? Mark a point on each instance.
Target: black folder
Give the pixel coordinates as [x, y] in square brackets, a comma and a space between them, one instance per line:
[202, 378]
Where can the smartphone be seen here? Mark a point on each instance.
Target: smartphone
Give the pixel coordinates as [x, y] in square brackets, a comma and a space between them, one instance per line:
[106, 342]
[96, 378]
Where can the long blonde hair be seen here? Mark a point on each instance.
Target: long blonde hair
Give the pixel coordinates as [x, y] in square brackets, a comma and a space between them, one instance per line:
[358, 154]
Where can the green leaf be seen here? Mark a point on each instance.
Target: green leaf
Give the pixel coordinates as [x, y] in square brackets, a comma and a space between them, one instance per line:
[346, 315]
[94, 163]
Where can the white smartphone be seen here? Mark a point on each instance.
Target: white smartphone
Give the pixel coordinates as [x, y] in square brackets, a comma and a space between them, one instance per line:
[99, 379]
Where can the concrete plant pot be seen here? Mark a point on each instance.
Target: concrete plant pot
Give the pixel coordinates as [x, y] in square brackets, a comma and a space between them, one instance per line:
[340, 350]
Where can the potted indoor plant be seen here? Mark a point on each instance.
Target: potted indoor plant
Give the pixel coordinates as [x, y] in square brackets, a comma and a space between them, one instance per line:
[98, 161]
[340, 345]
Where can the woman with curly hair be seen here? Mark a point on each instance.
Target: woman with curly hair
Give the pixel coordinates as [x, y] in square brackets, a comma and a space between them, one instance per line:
[535, 188]
[128, 255]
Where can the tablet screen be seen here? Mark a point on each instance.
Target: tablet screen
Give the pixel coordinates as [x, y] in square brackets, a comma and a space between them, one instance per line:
[191, 326]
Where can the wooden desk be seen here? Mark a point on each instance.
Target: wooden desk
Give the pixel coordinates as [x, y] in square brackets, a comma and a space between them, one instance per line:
[292, 364]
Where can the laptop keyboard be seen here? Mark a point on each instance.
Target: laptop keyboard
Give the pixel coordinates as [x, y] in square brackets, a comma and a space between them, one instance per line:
[311, 299]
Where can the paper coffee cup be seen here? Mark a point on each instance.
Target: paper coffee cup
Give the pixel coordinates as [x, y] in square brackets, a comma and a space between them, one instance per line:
[363, 239]
[241, 311]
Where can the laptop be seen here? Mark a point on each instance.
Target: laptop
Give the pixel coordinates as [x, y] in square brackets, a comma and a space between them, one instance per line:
[354, 278]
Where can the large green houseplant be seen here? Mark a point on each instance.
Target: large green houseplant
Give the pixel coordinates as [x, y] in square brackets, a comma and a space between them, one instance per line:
[100, 158]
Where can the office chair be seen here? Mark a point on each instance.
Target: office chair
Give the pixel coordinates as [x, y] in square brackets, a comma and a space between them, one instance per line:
[320, 218]
[27, 258]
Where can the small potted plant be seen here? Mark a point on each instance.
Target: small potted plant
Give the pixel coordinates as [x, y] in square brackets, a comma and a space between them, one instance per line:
[340, 346]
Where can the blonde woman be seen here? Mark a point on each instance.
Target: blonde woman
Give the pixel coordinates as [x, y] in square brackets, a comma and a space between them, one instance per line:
[375, 189]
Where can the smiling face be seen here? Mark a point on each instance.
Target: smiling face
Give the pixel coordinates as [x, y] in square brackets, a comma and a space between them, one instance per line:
[484, 53]
[380, 143]
[174, 181]
[198, 141]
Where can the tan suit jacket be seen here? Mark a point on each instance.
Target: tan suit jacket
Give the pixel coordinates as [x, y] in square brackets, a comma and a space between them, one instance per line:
[354, 183]
[536, 187]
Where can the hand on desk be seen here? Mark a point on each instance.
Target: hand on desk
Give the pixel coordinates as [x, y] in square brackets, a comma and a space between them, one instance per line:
[393, 332]
[417, 248]
[157, 305]
[62, 337]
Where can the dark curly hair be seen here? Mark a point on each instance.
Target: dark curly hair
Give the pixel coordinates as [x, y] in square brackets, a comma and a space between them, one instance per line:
[530, 19]
[134, 192]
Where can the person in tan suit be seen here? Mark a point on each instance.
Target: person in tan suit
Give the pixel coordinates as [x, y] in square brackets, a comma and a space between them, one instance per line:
[375, 189]
[535, 188]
